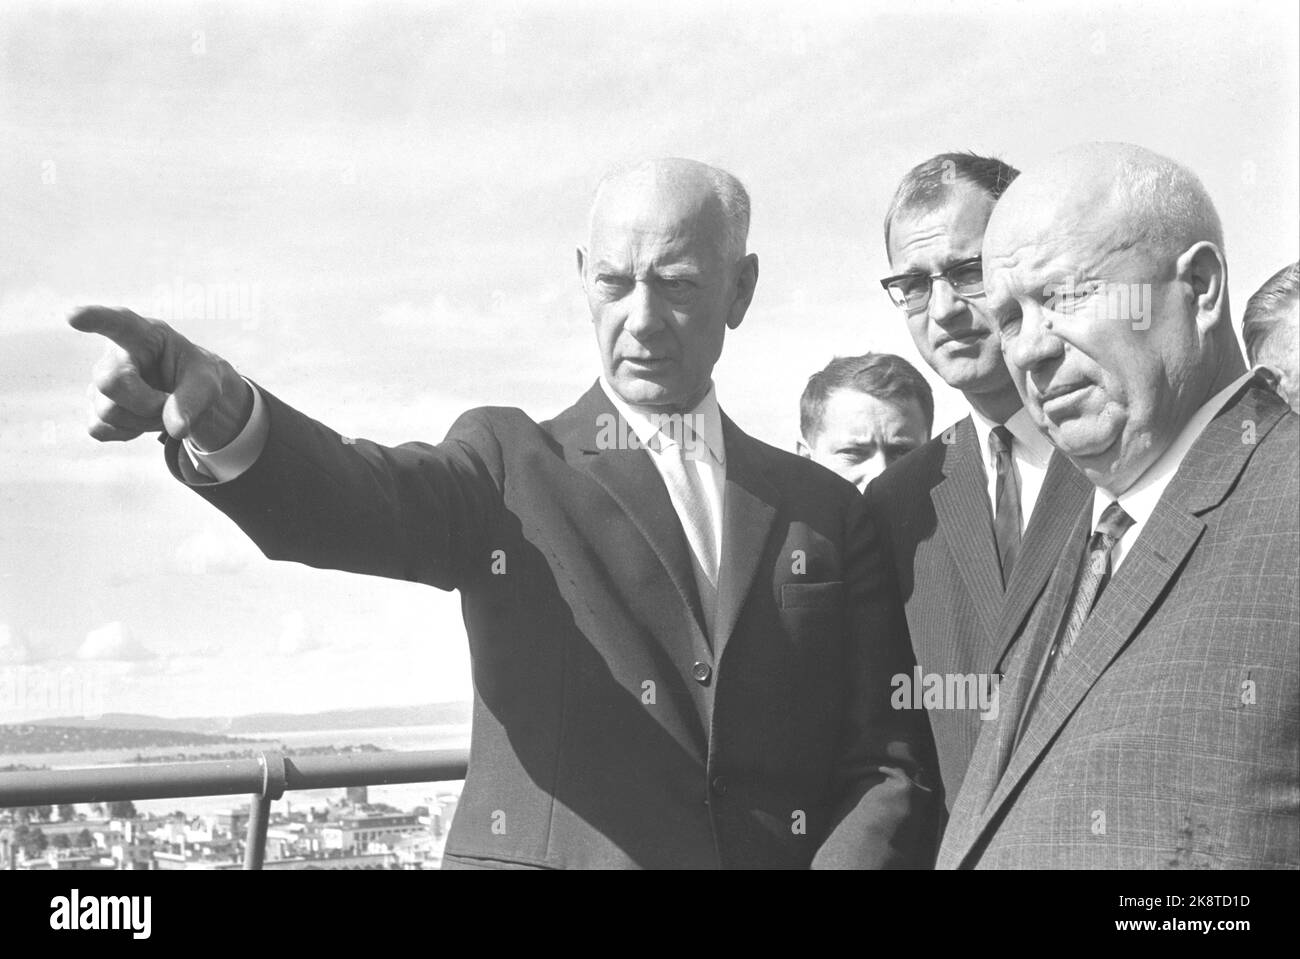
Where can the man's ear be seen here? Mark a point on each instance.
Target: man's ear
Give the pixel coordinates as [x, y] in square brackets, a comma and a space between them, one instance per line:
[746, 281]
[582, 267]
[1204, 270]
[802, 448]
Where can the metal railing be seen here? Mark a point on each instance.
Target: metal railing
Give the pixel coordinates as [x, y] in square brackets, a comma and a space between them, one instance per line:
[266, 777]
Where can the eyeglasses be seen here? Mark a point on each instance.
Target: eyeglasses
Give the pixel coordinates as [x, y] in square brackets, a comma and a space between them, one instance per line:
[911, 291]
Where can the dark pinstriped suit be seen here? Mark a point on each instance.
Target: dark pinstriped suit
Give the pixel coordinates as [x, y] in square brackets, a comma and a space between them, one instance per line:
[1169, 738]
[933, 505]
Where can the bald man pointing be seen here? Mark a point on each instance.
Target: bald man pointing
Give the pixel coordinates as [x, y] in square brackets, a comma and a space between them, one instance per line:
[1151, 705]
[681, 644]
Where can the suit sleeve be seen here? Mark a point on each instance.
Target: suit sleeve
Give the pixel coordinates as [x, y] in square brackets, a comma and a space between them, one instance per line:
[416, 512]
[885, 779]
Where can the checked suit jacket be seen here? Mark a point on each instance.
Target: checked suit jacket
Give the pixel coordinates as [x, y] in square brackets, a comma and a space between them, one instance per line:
[934, 510]
[1169, 737]
[610, 730]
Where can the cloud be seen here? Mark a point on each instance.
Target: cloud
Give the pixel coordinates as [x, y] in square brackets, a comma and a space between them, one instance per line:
[295, 637]
[185, 665]
[113, 642]
[36, 308]
[406, 315]
[13, 651]
[214, 549]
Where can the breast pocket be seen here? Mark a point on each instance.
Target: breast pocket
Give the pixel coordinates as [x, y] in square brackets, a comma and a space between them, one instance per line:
[812, 595]
[814, 620]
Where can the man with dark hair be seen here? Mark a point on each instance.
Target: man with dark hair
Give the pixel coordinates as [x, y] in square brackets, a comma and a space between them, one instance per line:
[682, 639]
[1151, 704]
[930, 184]
[974, 516]
[862, 414]
[1271, 329]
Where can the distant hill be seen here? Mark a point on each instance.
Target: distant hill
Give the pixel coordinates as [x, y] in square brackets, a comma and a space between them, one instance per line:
[432, 714]
[16, 738]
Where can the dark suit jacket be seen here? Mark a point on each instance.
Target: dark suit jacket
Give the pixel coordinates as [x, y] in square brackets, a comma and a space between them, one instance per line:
[1169, 737]
[608, 731]
[934, 509]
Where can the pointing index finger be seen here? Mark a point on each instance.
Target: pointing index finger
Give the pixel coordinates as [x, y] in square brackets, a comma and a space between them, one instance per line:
[128, 330]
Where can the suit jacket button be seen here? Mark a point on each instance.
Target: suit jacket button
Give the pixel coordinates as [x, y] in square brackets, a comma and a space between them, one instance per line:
[702, 673]
[720, 785]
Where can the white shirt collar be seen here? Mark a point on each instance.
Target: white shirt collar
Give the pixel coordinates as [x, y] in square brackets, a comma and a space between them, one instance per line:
[705, 422]
[1140, 499]
[1030, 442]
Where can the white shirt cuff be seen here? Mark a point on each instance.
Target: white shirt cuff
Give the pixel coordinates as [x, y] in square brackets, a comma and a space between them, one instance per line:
[233, 459]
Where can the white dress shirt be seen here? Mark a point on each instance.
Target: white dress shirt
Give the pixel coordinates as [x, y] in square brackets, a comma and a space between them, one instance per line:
[1031, 451]
[705, 454]
[1140, 499]
[235, 457]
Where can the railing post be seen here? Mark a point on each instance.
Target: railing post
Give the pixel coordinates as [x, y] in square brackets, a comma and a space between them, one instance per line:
[259, 812]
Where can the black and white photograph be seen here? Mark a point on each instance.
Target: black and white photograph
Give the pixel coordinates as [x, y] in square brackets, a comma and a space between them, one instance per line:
[552, 435]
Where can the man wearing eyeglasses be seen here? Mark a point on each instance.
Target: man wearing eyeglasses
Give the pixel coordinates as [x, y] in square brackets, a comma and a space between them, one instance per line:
[976, 515]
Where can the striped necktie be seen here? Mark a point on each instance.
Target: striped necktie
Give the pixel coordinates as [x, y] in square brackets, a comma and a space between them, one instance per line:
[1091, 579]
[1007, 523]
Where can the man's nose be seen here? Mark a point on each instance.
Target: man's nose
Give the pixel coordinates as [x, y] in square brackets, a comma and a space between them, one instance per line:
[869, 469]
[945, 304]
[643, 311]
[1035, 343]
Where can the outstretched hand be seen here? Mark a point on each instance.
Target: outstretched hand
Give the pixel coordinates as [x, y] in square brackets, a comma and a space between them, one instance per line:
[152, 378]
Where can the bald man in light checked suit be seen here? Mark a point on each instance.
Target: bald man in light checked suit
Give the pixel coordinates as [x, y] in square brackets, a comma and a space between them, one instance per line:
[1150, 715]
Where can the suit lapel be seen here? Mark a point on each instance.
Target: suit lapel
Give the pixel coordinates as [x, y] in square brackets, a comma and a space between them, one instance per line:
[631, 480]
[1135, 589]
[1207, 474]
[962, 507]
[1065, 494]
[993, 750]
[749, 511]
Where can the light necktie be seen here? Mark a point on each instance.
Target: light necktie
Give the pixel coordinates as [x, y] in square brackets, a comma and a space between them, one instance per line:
[1091, 579]
[1007, 525]
[686, 491]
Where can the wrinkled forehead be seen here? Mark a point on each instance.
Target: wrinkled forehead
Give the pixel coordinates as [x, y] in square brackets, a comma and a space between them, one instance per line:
[676, 213]
[851, 412]
[959, 217]
[1052, 229]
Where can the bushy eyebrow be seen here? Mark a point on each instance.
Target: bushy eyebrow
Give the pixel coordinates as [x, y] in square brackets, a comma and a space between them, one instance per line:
[605, 266]
[853, 442]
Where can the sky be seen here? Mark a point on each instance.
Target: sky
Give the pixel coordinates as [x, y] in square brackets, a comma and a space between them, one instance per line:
[371, 209]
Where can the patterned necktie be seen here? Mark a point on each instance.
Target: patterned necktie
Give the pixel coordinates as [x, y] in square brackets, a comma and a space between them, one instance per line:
[1092, 578]
[1007, 525]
